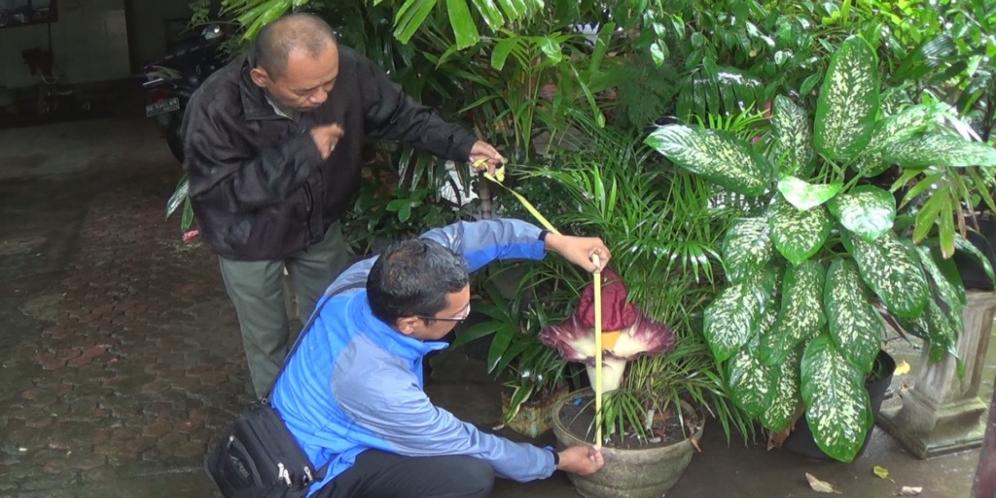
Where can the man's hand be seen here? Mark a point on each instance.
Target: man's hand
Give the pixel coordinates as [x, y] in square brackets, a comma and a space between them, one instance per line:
[579, 250]
[581, 460]
[325, 138]
[483, 151]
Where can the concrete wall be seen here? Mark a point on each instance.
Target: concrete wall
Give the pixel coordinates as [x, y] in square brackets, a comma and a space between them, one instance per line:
[89, 40]
[147, 20]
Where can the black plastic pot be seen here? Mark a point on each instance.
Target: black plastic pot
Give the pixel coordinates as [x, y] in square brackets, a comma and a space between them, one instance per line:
[972, 274]
[801, 440]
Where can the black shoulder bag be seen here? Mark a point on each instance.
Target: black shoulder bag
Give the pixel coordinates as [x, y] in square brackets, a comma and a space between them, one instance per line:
[258, 457]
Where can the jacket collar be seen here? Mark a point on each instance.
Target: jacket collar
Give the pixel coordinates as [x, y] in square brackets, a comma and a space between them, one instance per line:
[254, 103]
[386, 336]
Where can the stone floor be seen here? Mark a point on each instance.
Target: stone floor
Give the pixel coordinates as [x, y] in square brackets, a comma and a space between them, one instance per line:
[120, 354]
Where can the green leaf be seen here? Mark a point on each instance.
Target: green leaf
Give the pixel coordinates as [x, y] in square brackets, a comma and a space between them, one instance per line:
[804, 195]
[953, 297]
[888, 268]
[718, 156]
[793, 139]
[179, 195]
[940, 149]
[502, 50]
[865, 210]
[838, 409]
[801, 314]
[785, 401]
[746, 248]
[797, 234]
[855, 327]
[898, 127]
[410, 17]
[752, 384]
[551, 48]
[464, 26]
[942, 332]
[489, 11]
[848, 101]
[730, 319]
[187, 220]
[499, 345]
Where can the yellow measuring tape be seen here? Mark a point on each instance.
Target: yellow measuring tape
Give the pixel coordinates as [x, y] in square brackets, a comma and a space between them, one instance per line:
[598, 351]
[498, 178]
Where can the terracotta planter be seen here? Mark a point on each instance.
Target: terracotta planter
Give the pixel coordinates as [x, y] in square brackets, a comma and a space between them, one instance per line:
[534, 418]
[628, 473]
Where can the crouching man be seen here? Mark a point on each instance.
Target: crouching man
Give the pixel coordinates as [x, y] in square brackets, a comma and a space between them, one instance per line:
[351, 392]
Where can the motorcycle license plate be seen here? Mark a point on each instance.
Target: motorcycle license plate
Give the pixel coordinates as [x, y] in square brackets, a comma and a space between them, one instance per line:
[162, 107]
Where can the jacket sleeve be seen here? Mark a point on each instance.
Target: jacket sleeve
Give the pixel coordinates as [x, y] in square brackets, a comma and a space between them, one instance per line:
[225, 173]
[392, 115]
[481, 242]
[402, 420]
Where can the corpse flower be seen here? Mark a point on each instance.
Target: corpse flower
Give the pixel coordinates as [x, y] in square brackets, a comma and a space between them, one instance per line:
[626, 332]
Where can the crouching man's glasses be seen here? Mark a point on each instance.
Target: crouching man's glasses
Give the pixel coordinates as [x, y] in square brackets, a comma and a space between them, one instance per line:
[457, 319]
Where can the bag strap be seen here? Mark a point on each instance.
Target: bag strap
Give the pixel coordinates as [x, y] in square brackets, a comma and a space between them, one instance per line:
[307, 327]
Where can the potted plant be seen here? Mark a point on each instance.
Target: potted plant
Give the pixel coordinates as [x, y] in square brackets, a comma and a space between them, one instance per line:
[797, 324]
[646, 442]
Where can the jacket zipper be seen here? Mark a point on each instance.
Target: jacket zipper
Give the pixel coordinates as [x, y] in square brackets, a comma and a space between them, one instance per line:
[310, 206]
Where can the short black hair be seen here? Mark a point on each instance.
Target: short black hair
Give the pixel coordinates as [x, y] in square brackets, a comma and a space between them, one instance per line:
[278, 39]
[414, 277]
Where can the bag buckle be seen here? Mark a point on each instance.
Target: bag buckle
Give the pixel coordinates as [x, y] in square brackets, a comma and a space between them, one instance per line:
[283, 473]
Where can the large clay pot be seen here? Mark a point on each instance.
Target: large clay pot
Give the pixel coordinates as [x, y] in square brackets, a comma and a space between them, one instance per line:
[628, 473]
[535, 417]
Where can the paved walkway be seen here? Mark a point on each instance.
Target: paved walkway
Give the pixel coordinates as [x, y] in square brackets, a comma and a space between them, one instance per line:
[120, 355]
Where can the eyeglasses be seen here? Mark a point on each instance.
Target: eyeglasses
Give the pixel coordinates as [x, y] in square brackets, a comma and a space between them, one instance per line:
[456, 319]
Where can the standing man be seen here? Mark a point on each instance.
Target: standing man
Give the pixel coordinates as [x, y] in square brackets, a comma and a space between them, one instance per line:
[273, 146]
[351, 391]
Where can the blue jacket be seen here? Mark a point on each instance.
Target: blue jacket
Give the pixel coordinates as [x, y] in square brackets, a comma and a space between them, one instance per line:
[354, 382]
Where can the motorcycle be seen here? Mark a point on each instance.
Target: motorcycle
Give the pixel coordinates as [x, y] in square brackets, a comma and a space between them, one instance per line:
[169, 83]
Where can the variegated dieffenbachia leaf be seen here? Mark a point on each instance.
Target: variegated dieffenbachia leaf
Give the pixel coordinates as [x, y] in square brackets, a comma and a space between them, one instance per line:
[786, 398]
[855, 327]
[889, 269]
[752, 383]
[746, 248]
[942, 332]
[954, 298]
[848, 101]
[895, 128]
[731, 319]
[940, 149]
[866, 210]
[793, 147]
[716, 155]
[797, 234]
[838, 409]
[804, 195]
[801, 314]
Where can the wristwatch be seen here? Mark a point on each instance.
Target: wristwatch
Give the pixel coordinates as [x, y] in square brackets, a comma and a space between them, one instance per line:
[556, 456]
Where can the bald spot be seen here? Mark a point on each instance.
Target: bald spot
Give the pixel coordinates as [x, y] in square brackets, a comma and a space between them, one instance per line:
[296, 32]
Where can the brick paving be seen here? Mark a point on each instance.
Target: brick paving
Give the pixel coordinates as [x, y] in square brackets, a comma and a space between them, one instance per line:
[138, 361]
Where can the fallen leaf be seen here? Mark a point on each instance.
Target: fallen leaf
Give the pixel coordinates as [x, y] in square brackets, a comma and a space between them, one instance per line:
[903, 368]
[695, 443]
[881, 472]
[910, 491]
[820, 486]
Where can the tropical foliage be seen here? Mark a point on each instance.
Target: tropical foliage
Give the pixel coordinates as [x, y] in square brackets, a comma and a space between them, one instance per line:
[829, 239]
